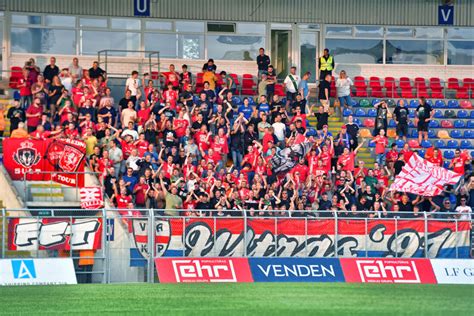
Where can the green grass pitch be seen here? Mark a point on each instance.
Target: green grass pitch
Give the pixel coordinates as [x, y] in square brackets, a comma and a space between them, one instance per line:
[240, 299]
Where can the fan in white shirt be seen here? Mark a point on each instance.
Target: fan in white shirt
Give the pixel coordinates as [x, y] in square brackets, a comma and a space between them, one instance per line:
[464, 211]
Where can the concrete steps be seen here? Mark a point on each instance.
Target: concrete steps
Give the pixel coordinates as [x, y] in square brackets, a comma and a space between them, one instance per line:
[46, 192]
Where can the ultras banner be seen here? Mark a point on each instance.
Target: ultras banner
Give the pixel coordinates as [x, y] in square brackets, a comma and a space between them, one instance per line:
[31, 234]
[223, 237]
[59, 156]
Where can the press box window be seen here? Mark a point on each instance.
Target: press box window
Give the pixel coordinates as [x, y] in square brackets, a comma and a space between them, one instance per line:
[221, 27]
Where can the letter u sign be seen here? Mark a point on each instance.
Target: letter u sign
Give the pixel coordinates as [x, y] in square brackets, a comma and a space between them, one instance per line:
[446, 15]
[141, 7]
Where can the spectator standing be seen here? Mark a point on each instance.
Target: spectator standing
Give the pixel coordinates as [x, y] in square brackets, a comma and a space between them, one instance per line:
[51, 70]
[424, 114]
[75, 70]
[381, 118]
[401, 119]
[16, 115]
[343, 85]
[33, 115]
[326, 64]
[271, 77]
[303, 88]
[263, 61]
[381, 141]
[95, 71]
[133, 85]
[25, 89]
[353, 131]
[325, 92]
[464, 211]
[291, 82]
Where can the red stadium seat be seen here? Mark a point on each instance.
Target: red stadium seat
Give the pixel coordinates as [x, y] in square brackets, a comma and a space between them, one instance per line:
[421, 88]
[468, 83]
[236, 79]
[248, 85]
[436, 88]
[369, 123]
[16, 75]
[453, 83]
[332, 93]
[413, 143]
[375, 87]
[279, 90]
[360, 86]
[446, 124]
[405, 86]
[465, 104]
[391, 88]
[462, 93]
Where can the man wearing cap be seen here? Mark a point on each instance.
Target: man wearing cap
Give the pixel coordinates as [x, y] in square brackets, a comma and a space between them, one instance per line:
[326, 64]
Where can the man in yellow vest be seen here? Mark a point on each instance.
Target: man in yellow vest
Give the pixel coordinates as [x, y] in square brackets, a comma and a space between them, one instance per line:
[326, 64]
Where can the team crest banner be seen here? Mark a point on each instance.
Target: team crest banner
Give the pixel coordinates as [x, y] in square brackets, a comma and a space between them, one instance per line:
[422, 177]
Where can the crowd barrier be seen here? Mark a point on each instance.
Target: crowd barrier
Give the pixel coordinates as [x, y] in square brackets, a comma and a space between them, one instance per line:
[108, 246]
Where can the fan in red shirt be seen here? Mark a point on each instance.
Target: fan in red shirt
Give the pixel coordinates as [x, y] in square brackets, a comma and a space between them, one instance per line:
[141, 144]
[434, 156]
[171, 96]
[302, 171]
[202, 138]
[140, 190]
[127, 145]
[77, 93]
[326, 155]
[347, 159]
[180, 124]
[144, 113]
[459, 160]
[407, 152]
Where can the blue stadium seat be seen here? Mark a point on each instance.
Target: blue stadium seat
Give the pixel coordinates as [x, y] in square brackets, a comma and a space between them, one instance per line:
[453, 104]
[16, 95]
[400, 143]
[359, 112]
[357, 121]
[421, 153]
[426, 144]
[374, 101]
[459, 124]
[411, 124]
[372, 144]
[439, 104]
[372, 113]
[411, 113]
[236, 100]
[414, 104]
[452, 144]
[469, 134]
[434, 124]
[414, 133]
[472, 154]
[195, 99]
[472, 114]
[439, 143]
[251, 101]
[455, 134]
[432, 134]
[470, 124]
[466, 144]
[463, 114]
[392, 124]
[438, 114]
[446, 164]
[448, 154]
[347, 112]
[354, 103]
[283, 100]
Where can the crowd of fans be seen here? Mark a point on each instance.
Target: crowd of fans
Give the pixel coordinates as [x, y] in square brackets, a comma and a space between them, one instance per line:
[171, 148]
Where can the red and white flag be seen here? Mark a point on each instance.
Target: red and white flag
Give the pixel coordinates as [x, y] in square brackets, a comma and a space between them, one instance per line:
[91, 197]
[422, 177]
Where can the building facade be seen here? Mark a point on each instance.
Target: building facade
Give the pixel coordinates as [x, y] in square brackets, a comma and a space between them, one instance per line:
[367, 37]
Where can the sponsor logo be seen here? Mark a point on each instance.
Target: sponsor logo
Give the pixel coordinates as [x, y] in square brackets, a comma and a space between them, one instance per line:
[388, 270]
[207, 270]
[296, 270]
[454, 271]
[27, 156]
[23, 269]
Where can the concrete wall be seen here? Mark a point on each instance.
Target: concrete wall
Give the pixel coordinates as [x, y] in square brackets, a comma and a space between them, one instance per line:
[8, 194]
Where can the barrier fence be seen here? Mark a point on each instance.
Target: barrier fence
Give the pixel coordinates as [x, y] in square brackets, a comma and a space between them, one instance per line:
[109, 245]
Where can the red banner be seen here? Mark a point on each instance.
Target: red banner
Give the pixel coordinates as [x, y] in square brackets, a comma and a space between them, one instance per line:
[91, 197]
[34, 156]
[394, 270]
[207, 270]
[419, 176]
[29, 234]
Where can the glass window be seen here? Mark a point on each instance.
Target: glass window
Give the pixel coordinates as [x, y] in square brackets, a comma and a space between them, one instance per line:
[164, 43]
[308, 54]
[26, 19]
[93, 22]
[251, 28]
[339, 31]
[221, 27]
[461, 32]
[309, 26]
[368, 31]
[354, 51]
[234, 47]
[191, 46]
[461, 53]
[414, 52]
[127, 24]
[185, 26]
[94, 41]
[60, 20]
[399, 32]
[429, 32]
[43, 41]
[159, 25]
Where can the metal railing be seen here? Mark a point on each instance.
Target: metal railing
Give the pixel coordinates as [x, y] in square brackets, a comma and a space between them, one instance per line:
[151, 234]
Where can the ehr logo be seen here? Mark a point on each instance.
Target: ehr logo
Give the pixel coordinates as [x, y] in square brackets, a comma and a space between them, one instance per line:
[207, 270]
[388, 270]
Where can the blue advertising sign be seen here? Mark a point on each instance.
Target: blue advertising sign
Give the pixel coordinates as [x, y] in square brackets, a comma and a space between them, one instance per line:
[110, 229]
[141, 7]
[296, 270]
[445, 15]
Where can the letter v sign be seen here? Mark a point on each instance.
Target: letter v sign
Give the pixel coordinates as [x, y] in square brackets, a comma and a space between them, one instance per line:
[445, 15]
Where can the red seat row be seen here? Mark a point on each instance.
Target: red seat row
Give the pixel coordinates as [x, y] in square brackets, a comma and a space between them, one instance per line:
[405, 89]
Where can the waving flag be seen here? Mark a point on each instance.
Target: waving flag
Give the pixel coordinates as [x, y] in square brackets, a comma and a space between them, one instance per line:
[422, 177]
